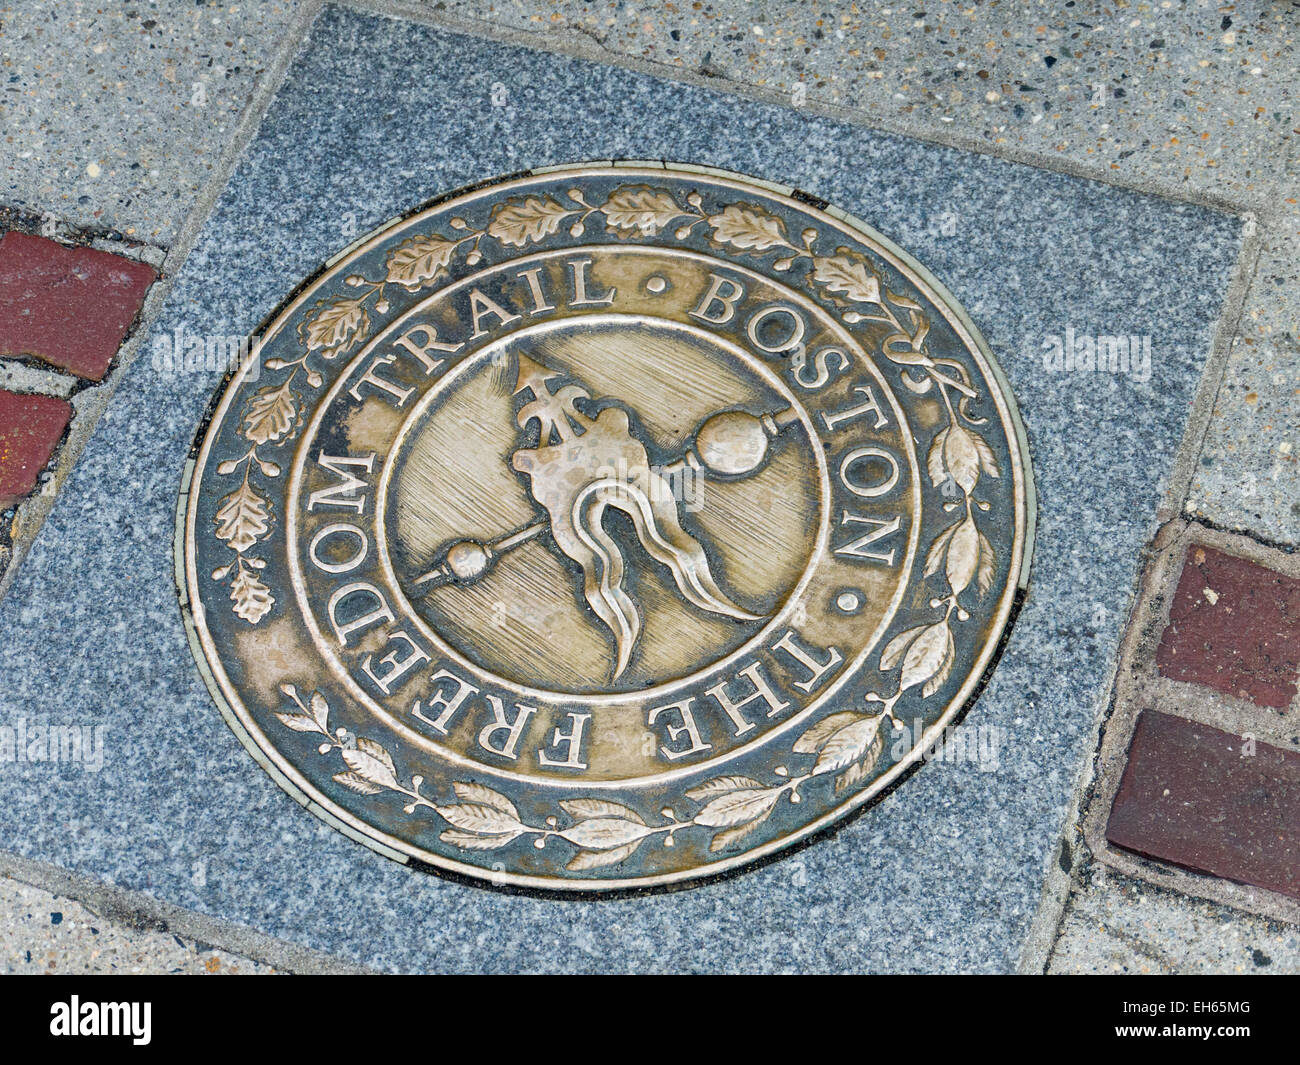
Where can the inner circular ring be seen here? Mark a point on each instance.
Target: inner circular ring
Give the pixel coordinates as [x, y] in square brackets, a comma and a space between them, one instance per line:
[764, 372]
[471, 364]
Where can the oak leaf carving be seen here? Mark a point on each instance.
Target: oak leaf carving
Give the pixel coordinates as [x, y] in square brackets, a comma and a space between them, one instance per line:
[270, 414]
[516, 222]
[420, 260]
[748, 227]
[640, 210]
[252, 598]
[333, 326]
[242, 518]
[847, 274]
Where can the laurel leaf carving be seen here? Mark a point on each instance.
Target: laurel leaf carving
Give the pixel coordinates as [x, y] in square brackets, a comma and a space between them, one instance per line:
[894, 649]
[639, 210]
[356, 782]
[963, 554]
[420, 260]
[934, 461]
[733, 835]
[298, 722]
[479, 818]
[370, 761]
[937, 681]
[738, 807]
[929, 659]
[962, 457]
[748, 227]
[582, 809]
[603, 833]
[988, 461]
[481, 793]
[848, 744]
[987, 562]
[859, 770]
[469, 841]
[935, 556]
[242, 518]
[719, 786]
[810, 742]
[847, 274]
[516, 222]
[320, 710]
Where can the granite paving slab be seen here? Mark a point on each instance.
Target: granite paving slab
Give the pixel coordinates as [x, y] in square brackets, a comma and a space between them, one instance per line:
[48, 933]
[1194, 94]
[1118, 925]
[115, 115]
[379, 115]
[1248, 476]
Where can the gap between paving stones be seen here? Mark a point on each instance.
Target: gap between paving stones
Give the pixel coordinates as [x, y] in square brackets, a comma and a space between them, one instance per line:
[134, 910]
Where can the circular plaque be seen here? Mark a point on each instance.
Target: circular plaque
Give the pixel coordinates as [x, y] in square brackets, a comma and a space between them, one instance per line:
[605, 527]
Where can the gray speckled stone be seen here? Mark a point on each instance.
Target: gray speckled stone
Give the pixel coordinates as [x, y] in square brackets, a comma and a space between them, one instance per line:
[1114, 924]
[377, 116]
[115, 115]
[1191, 93]
[1248, 476]
[47, 933]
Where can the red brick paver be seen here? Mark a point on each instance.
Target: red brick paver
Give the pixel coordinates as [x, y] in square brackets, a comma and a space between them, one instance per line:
[1193, 796]
[1234, 626]
[70, 307]
[30, 428]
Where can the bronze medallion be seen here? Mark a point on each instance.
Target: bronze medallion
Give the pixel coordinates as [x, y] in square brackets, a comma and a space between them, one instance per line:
[605, 527]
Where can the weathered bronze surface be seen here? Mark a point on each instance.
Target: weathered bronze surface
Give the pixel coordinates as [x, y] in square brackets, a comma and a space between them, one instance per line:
[605, 527]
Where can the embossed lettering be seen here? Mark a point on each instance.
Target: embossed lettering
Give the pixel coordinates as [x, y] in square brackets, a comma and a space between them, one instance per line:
[880, 529]
[502, 723]
[688, 727]
[818, 670]
[341, 494]
[762, 691]
[570, 741]
[448, 703]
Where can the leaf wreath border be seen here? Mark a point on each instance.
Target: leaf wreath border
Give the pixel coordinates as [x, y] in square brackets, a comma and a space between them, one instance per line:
[603, 832]
[848, 743]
